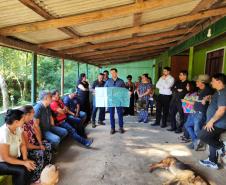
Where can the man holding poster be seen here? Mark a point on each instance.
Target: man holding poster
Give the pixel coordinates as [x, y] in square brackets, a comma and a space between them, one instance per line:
[115, 82]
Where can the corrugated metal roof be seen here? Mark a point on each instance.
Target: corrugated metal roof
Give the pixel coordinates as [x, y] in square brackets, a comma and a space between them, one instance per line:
[64, 8]
[13, 12]
[42, 36]
[169, 12]
[105, 26]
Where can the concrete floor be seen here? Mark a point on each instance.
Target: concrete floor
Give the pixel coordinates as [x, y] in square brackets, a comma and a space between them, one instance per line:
[123, 159]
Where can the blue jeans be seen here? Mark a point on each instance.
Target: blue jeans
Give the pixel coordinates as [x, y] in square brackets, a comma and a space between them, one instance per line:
[101, 112]
[73, 120]
[194, 124]
[55, 135]
[82, 115]
[112, 116]
[72, 132]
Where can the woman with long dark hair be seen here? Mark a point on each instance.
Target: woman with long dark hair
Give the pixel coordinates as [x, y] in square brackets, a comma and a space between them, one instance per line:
[38, 150]
[83, 95]
[13, 151]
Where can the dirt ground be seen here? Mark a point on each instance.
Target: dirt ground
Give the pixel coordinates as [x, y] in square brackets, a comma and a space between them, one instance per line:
[123, 159]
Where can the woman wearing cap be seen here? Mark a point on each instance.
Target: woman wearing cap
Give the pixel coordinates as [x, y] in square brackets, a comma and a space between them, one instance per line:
[196, 119]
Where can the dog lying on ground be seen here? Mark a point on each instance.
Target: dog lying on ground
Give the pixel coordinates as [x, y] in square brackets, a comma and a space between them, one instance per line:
[49, 175]
[183, 174]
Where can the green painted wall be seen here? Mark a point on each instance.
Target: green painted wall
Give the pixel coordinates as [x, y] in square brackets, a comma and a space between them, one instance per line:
[162, 60]
[200, 52]
[135, 69]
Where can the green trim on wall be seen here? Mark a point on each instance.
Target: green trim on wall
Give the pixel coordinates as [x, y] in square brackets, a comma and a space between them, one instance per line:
[217, 28]
[190, 64]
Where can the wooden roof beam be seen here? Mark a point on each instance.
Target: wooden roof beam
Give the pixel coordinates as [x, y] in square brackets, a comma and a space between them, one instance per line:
[104, 45]
[128, 50]
[144, 28]
[40, 11]
[150, 52]
[127, 60]
[89, 17]
[137, 46]
[25, 46]
[137, 18]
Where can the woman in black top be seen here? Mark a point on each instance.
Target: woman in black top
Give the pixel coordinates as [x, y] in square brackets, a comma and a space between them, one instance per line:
[130, 86]
[83, 95]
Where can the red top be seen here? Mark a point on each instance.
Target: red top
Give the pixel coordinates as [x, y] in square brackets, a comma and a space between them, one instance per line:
[58, 117]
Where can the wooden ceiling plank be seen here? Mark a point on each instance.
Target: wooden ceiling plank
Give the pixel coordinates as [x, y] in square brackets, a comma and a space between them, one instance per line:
[86, 49]
[88, 17]
[25, 46]
[150, 51]
[144, 28]
[127, 50]
[142, 45]
[39, 10]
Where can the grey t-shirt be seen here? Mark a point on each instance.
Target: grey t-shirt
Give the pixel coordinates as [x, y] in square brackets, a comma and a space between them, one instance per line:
[218, 99]
[43, 114]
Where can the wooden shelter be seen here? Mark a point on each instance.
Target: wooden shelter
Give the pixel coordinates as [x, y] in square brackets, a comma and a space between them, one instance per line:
[104, 32]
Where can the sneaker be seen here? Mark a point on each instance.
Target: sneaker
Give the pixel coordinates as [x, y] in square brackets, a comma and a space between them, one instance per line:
[88, 142]
[209, 164]
[101, 123]
[221, 152]
[93, 124]
[196, 144]
[155, 124]
[121, 130]
[191, 146]
[112, 131]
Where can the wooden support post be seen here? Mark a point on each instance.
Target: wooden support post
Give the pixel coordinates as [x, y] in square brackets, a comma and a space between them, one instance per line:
[87, 71]
[62, 77]
[34, 79]
[190, 65]
[78, 70]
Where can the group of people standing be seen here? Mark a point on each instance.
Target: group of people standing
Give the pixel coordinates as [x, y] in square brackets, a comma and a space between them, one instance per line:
[196, 108]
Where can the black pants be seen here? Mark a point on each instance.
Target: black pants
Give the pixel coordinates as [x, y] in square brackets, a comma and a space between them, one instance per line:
[213, 140]
[163, 102]
[176, 106]
[130, 110]
[20, 174]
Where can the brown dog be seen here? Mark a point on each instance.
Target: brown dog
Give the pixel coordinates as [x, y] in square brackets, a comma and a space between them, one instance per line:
[183, 174]
[49, 175]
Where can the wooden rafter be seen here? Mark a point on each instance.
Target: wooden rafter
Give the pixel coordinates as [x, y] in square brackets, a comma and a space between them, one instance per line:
[39, 10]
[137, 46]
[144, 28]
[127, 59]
[124, 50]
[25, 46]
[137, 18]
[199, 25]
[126, 55]
[124, 42]
[89, 17]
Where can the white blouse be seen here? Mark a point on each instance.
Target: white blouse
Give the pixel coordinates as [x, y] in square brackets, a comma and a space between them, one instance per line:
[14, 140]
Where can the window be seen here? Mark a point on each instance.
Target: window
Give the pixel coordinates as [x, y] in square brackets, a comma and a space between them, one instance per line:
[15, 71]
[48, 73]
[214, 62]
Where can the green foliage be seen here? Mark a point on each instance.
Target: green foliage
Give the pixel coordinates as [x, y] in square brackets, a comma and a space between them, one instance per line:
[16, 68]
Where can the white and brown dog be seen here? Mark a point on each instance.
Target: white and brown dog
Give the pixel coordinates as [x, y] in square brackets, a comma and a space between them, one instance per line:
[183, 174]
[49, 175]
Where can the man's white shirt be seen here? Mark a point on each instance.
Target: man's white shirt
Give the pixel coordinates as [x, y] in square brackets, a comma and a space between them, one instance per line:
[164, 85]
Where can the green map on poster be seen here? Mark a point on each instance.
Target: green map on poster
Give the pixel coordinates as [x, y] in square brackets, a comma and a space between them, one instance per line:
[112, 97]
